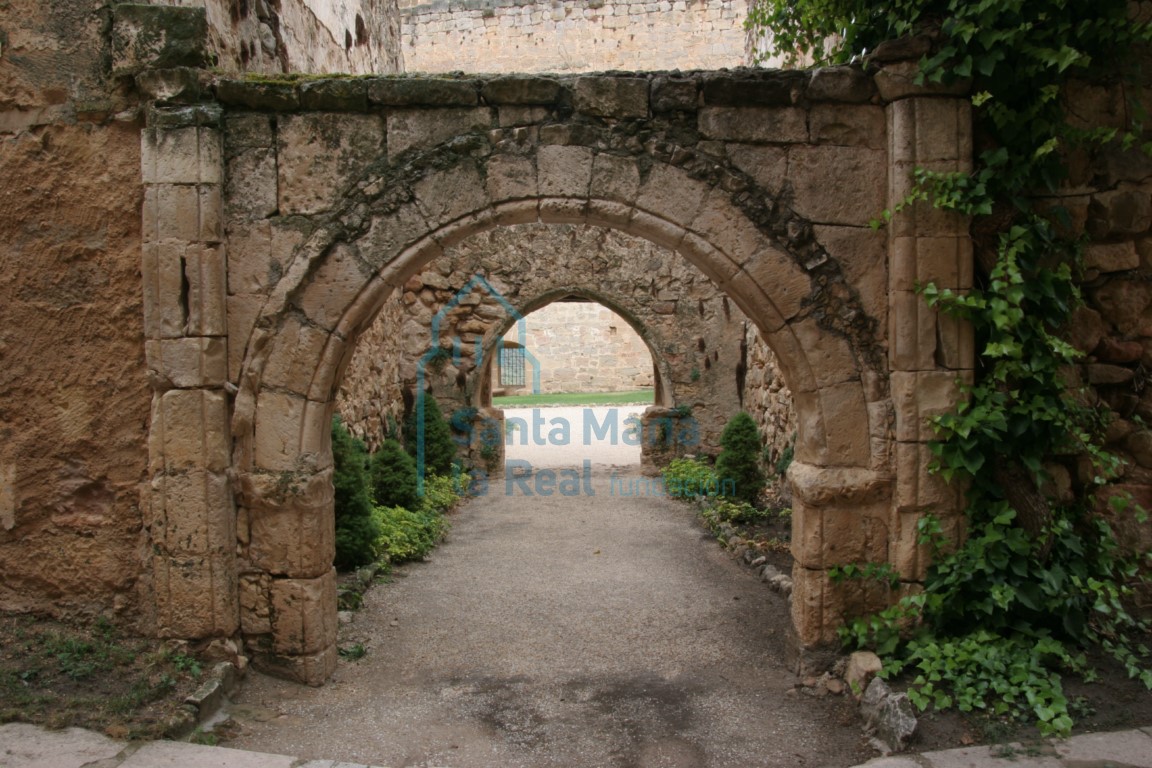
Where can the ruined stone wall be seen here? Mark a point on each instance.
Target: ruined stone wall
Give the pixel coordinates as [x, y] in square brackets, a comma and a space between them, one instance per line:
[583, 347]
[371, 395]
[1108, 197]
[769, 401]
[74, 396]
[572, 35]
[355, 36]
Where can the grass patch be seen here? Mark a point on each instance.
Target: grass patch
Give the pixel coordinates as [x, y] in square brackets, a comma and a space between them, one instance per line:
[90, 676]
[634, 397]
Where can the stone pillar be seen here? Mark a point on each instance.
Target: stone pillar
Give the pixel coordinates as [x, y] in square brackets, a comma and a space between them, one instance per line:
[189, 507]
[930, 354]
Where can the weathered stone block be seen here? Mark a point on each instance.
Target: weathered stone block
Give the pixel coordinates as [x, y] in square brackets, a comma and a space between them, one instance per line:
[294, 535]
[192, 513]
[843, 84]
[187, 362]
[919, 397]
[615, 178]
[206, 276]
[452, 193]
[727, 228]
[912, 326]
[195, 595]
[671, 94]
[1119, 212]
[829, 356]
[248, 130]
[242, 312]
[1122, 302]
[898, 81]
[672, 194]
[511, 177]
[291, 433]
[320, 154]
[862, 254]
[774, 88]
[564, 171]
[179, 85]
[335, 95]
[858, 176]
[522, 89]
[390, 234]
[918, 489]
[177, 212]
[274, 97]
[619, 97]
[423, 91]
[333, 287]
[211, 226]
[251, 190]
[928, 130]
[766, 125]
[426, 128]
[304, 614]
[310, 669]
[768, 166]
[945, 261]
[190, 430]
[1111, 257]
[781, 280]
[298, 347]
[162, 273]
[848, 126]
[158, 37]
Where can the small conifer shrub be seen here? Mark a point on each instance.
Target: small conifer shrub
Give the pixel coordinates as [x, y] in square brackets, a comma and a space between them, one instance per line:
[738, 461]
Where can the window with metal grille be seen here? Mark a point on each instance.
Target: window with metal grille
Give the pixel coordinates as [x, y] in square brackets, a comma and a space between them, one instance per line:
[512, 366]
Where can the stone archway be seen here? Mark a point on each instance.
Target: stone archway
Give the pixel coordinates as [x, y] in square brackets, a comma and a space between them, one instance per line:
[677, 161]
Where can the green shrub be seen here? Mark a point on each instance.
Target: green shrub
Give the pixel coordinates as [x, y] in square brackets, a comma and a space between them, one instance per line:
[393, 474]
[689, 478]
[439, 448]
[440, 494]
[739, 459]
[356, 528]
[408, 535]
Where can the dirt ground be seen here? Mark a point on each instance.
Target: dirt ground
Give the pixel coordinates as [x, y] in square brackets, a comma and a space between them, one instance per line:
[556, 630]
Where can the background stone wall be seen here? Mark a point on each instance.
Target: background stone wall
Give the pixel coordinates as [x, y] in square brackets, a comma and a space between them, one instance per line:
[697, 332]
[769, 401]
[572, 35]
[357, 36]
[582, 347]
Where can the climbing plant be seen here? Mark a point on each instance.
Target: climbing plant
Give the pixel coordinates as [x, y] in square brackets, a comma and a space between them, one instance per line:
[1034, 582]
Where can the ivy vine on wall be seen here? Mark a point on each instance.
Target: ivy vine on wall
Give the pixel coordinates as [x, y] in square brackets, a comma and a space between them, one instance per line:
[1035, 582]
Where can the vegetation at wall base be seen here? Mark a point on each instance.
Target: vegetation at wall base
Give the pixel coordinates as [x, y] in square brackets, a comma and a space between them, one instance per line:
[90, 675]
[1041, 580]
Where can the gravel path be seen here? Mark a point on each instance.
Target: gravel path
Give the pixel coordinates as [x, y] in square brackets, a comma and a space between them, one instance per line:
[587, 630]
